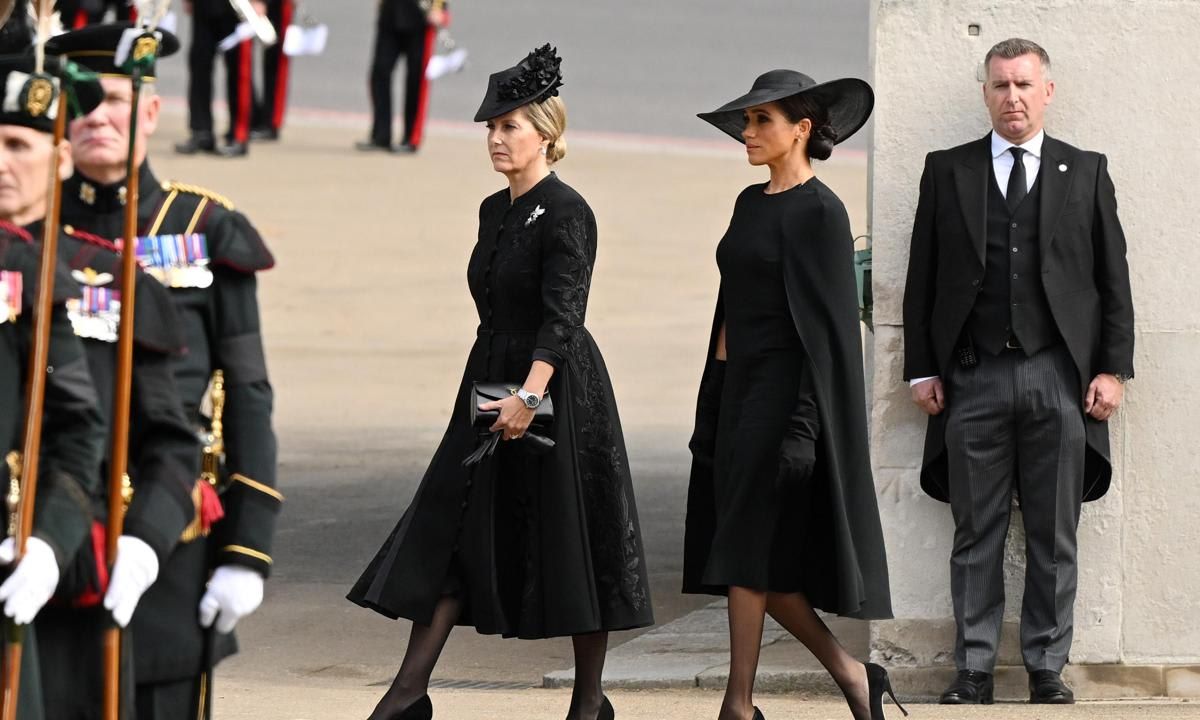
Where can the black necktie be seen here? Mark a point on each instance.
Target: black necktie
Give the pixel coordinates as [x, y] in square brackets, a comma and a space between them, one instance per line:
[1017, 187]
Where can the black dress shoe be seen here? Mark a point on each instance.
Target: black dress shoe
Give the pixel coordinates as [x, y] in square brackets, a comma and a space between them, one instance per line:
[235, 149]
[606, 711]
[422, 709]
[758, 714]
[1046, 687]
[405, 149]
[971, 687]
[265, 134]
[197, 143]
[372, 146]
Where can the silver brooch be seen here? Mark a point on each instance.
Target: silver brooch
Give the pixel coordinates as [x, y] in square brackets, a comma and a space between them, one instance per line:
[1062, 167]
[533, 216]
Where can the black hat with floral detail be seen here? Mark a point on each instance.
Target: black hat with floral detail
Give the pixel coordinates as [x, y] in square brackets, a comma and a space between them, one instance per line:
[534, 79]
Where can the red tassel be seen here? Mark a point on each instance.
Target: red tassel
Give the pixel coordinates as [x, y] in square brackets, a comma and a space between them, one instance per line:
[210, 506]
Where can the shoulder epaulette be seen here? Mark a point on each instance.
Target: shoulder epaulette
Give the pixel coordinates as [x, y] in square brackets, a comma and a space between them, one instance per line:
[90, 239]
[16, 231]
[221, 200]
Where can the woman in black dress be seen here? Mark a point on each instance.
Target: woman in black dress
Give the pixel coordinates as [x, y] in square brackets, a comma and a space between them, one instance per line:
[782, 514]
[523, 543]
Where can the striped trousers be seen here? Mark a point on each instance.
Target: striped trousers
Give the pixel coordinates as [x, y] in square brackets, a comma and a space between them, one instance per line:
[1015, 423]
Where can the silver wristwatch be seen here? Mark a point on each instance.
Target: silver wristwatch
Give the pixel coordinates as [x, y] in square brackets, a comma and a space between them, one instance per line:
[531, 400]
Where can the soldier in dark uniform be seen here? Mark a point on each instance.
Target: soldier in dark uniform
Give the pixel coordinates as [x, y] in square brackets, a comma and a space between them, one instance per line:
[212, 22]
[405, 28]
[213, 284]
[269, 112]
[72, 439]
[167, 497]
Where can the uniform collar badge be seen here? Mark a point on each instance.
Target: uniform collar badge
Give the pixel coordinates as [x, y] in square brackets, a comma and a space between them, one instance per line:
[87, 193]
[10, 295]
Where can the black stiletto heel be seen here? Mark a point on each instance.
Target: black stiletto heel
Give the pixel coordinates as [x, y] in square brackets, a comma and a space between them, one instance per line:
[758, 714]
[606, 711]
[878, 682]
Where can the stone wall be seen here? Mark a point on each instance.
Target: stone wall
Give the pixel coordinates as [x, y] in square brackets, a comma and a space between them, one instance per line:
[1126, 86]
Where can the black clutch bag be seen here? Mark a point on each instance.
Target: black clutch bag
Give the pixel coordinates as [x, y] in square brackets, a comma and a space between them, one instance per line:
[482, 420]
[483, 393]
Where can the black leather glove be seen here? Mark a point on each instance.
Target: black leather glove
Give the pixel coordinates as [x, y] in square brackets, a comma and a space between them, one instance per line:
[708, 409]
[798, 451]
[797, 456]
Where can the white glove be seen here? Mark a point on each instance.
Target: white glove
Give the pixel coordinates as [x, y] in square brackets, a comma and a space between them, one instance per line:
[32, 583]
[132, 575]
[233, 593]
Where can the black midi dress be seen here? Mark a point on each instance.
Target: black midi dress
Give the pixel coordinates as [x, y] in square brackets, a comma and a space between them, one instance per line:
[794, 367]
[534, 545]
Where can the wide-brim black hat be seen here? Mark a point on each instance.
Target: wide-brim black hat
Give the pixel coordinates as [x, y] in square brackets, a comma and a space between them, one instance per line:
[33, 99]
[95, 48]
[848, 100]
[534, 79]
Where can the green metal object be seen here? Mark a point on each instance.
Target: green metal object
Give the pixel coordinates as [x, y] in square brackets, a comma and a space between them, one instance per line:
[862, 274]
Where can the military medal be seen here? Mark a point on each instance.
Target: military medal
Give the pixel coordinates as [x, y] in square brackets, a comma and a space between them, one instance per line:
[10, 296]
[96, 315]
[176, 261]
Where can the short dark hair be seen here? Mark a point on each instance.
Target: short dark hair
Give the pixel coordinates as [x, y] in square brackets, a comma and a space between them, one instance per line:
[1014, 48]
[823, 136]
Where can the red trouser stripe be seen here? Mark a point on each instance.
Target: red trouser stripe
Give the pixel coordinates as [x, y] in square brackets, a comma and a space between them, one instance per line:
[241, 123]
[418, 128]
[281, 78]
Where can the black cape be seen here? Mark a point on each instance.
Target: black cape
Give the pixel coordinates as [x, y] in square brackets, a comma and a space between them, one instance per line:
[851, 573]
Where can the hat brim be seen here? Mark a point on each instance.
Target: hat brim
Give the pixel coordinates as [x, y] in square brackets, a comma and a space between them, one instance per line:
[849, 101]
[493, 108]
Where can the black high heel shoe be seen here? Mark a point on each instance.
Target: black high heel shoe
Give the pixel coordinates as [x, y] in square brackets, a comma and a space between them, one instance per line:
[422, 709]
[606, 711]
[877, 683]
[758, 714]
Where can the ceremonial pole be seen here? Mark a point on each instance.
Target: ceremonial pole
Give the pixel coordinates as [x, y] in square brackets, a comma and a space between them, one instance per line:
[142, 53]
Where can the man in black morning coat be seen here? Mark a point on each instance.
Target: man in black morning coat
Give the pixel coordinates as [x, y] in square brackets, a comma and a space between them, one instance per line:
[1018, 338]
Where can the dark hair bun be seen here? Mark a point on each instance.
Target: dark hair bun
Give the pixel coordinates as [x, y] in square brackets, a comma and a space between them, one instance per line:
[820, 145]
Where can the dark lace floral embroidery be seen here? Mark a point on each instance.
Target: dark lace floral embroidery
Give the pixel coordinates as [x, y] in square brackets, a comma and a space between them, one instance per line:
[537, 75]
[601, 464]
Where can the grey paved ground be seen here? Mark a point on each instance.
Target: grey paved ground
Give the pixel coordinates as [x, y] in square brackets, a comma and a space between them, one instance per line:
[634, 67]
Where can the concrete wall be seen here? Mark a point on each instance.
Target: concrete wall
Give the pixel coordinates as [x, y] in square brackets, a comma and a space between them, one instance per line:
[1126, 85]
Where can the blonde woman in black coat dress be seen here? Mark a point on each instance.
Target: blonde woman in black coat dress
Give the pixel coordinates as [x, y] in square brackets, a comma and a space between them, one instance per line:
[524, 542]
[782, 515]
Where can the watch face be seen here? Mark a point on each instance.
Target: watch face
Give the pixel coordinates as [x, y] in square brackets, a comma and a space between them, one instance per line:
[532, 401]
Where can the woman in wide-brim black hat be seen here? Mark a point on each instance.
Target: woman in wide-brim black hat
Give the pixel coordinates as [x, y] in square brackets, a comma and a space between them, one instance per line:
[522, 543]
[782, 515]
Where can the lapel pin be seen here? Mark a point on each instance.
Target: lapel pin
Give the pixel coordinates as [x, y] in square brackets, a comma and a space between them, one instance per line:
[1062, 167]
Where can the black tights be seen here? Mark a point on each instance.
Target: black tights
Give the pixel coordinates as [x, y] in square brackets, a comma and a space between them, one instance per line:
[425, 646]
[747, 609]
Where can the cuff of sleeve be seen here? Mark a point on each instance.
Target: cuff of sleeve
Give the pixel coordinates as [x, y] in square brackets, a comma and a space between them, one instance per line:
[63, 519]
[244, 535]
[548, 356]
[158, 518]
[915, 381]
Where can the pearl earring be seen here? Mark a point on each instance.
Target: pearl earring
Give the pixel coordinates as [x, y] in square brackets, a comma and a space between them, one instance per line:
[542, 150]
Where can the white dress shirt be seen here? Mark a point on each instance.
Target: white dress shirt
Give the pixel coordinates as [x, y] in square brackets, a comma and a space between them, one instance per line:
[1002, 165]
[1002, 160]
